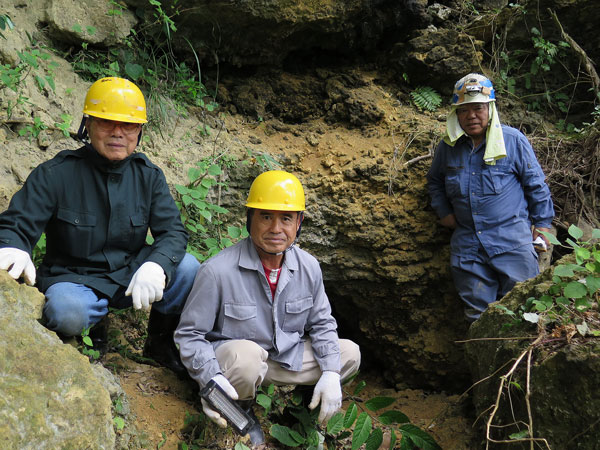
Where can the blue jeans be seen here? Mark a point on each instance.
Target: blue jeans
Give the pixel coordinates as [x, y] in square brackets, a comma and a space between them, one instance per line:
[485, 280]
[70, 307]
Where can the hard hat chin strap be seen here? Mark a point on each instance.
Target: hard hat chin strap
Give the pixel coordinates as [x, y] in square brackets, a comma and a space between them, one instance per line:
[278, 253]
[82, 134]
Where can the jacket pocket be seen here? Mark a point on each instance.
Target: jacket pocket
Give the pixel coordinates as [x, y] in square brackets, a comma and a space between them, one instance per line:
[296, 314]
[493, 179]
[139, 230]
[453, 182]
[239, 321]
[75, 231]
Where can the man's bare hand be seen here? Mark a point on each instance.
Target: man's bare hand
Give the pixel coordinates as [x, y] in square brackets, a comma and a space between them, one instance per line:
[449, 221]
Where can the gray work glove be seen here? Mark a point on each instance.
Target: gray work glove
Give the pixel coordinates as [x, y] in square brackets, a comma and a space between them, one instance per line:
[18, 263]
[147, 285]
[229, 390]
[328, 392]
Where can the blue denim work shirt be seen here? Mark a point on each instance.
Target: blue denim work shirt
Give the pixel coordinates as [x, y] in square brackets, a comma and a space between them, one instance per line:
[494, 205]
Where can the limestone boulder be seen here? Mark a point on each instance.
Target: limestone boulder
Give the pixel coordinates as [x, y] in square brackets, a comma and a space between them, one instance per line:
[562, 376]
[51, 397]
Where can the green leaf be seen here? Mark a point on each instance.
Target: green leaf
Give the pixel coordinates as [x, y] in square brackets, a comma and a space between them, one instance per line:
[377, 403]
[186, 199]
[234, 232]
[581, 254]
[119, 423]
[565, 270]
[195, 194]
[361, 431]
[297, 436]
[193, 174]
[575, 289]
[592, 283]
[350, 415]
[283, 435]
[214, 170]
[582, 304]
[314, 438]
[595, 233]
[264, 401]
[575, 231]
[359, 387]
[87, 341]
[40, 81]
[426, 98]
[389, 417]
[206, 214]
[208, 183]
[562, 300]
[375, 439]
[335, 424]
[393, 439]
[134, 71]
[519, 435]
[240, 446]
[419, 437]
[218, 209]
[211, 242]
[551, 238]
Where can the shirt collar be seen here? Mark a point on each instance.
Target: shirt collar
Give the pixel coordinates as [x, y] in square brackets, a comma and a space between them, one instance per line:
[249, 258]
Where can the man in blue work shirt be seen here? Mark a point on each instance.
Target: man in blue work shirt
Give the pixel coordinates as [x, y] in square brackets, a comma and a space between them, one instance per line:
[487, 185]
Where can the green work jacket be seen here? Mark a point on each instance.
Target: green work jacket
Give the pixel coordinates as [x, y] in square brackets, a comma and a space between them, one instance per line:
[96, 215]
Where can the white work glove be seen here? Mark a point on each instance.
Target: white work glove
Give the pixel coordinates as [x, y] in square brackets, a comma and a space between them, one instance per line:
[146, 286]
[328, 392]
[19, 262]
[229, 390]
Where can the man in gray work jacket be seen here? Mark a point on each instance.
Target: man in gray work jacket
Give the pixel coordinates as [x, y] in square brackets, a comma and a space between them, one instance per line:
[258, 313]
[96, 205]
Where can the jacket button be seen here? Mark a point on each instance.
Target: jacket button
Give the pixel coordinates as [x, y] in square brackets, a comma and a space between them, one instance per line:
[76, 221]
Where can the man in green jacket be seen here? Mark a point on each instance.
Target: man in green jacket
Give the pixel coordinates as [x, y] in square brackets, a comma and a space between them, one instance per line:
[96, 205]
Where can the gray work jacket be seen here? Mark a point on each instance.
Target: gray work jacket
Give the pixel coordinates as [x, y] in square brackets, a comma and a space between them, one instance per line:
[231, 299]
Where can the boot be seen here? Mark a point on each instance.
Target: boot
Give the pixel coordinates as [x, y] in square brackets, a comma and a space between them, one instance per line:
[160, 345]
[255, 432]
[99, 336]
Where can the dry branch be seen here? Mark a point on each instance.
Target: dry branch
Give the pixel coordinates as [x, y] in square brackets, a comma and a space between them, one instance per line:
[583, 57]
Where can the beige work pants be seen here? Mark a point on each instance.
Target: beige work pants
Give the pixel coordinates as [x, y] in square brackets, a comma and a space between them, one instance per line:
[246, 365]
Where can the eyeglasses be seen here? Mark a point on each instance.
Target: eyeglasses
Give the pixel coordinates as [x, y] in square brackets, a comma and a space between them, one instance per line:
[106, 125]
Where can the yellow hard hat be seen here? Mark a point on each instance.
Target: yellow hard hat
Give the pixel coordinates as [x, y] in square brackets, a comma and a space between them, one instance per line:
[115, 98]
[276, 190]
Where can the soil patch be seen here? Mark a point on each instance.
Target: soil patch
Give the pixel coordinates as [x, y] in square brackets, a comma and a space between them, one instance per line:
[160, 404]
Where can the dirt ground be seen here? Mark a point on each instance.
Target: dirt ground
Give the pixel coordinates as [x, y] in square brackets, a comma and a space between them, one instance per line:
[160, 403]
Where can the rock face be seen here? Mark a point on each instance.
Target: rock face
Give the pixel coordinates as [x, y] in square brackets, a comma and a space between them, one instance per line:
[259, 32]
[564, 376]
[51, 397]
[385, 259]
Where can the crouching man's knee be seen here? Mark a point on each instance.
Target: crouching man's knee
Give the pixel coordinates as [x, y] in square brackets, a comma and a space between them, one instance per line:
[349, 358]
[244, 364]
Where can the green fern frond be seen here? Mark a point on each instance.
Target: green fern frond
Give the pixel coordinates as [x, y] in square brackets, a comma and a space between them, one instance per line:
[426, 98]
